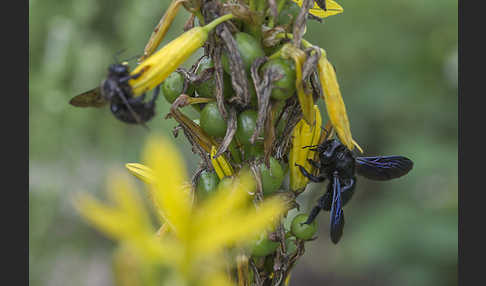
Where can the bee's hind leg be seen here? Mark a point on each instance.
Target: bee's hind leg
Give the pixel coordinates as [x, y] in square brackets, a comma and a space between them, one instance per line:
[155, 96]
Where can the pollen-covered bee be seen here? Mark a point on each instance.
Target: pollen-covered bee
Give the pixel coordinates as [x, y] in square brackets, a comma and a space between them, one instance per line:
[338, 164]
[116, 91]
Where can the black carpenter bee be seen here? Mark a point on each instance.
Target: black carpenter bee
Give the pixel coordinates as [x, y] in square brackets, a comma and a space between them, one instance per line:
[116, 90]
[338, 164]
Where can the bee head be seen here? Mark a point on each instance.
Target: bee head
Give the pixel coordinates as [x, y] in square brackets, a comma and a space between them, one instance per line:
[119, 69]
[328, 150]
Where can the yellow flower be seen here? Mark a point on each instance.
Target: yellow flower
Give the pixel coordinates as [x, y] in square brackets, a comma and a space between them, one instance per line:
[303, 135]
[334, 101]
[161, 28]
[156, 68]
[198, 235]
[220, 165]
[332, 8]
[305, 99]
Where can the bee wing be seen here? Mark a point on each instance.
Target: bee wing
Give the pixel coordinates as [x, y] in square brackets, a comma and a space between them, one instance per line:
[382, 168]
[337, 213]
[90, 98]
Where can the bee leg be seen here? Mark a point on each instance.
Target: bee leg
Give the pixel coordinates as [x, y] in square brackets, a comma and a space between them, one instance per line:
[137, 99]
[156, 94]
[308, 146]
[314, 164]
[327, 198]
[129, 77]
[321, 204]
[315, 179]
[347, 190]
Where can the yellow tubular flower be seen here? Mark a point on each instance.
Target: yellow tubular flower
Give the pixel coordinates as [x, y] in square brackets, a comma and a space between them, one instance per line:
[332, 8]
[156, 68]
[303, 135]
[220, 165]
[336, 109]
[161, 29]
[306, 101]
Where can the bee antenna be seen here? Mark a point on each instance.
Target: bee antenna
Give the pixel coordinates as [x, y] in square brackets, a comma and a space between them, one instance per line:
[117, 54]
[132, 58]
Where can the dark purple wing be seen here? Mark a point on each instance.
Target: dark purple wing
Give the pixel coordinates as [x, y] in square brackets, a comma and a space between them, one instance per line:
[337, 213]
[382, 168]
[90, 98]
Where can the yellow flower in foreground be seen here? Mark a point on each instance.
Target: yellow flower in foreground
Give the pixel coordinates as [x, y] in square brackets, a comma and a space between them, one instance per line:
[198, 235]
[332, 8]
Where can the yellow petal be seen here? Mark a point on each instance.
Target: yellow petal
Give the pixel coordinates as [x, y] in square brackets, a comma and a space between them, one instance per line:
[226, 199]
[220, 165]
[161, 28]
[332, 8]
[167, 190]
[219, 278]
[303, 135]
[239, 226]
[305, 100]
[126, 220]
[142, 172]
[336, 109]
[123, 194]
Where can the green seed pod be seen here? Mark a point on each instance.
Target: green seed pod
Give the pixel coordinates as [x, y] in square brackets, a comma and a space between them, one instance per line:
[272, 178]
[211, 120]
[249, 48]
[303, 231]
[206, 184]
[246, 125]
[172, 87]
[285, 86]
[263, 246]
[208, 88]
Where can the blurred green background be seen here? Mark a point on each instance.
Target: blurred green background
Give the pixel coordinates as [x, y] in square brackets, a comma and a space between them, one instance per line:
[396, 63]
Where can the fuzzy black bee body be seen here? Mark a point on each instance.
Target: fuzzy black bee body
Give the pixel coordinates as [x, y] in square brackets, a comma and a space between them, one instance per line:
[338, 164]
[116, 91]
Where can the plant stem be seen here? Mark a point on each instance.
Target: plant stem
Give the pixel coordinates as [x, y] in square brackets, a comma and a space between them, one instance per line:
[218, 21]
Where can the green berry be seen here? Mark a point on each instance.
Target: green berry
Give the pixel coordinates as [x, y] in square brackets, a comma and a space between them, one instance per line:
[301, 230]
[207, 88]
[212, 122]
[271, 178]
[263, 246]
[246, 125]
[249, 48]
[285, 86]
[172, 87]
[206, 184]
